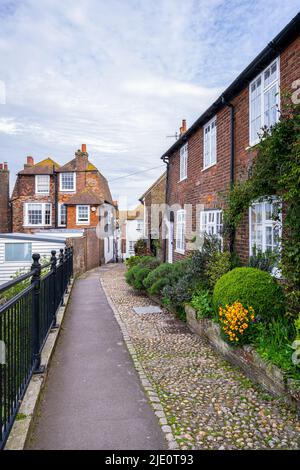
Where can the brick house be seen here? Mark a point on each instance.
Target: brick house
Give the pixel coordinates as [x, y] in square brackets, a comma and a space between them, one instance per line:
[131, 226]
[218, 149]
[5, 219]
[47, 195]
[154, 196]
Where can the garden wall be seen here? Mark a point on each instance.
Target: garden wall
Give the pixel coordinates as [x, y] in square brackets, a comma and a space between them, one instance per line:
[265, 374]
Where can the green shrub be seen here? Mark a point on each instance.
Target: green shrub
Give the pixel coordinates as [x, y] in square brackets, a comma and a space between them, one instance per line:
[165, 274]
[136, 274]
[272, 340]
[297, 327]
[252, 287]
[194, 276]
[140, 247]
[219, 264]
[133, 261]
[141, 274]
[202, 303]
[130, 275]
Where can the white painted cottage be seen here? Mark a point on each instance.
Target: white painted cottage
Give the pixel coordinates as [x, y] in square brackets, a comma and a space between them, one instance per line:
[16, 251]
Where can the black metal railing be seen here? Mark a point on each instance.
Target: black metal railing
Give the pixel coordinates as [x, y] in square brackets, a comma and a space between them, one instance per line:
[27, 314]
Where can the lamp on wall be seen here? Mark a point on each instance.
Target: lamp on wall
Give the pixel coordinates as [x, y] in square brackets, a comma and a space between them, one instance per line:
[93, 209]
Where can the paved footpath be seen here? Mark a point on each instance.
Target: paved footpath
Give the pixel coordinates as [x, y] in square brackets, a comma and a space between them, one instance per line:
[93, 398]
[208, 403]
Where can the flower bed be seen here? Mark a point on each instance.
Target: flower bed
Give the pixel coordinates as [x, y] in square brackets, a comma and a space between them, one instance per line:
[266, 374]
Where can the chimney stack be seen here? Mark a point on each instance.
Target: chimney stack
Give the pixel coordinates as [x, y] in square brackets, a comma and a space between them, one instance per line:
[4, 198]
[81, 158]
[30, 161]
[183, 127]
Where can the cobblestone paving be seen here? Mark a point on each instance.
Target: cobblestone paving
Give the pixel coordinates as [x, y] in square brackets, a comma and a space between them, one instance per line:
[209, 404]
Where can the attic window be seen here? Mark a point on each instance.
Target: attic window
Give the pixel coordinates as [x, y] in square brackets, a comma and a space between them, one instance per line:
[67, 182]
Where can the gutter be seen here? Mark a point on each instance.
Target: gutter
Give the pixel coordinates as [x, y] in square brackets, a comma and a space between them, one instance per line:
[55, 196]
[167, 162]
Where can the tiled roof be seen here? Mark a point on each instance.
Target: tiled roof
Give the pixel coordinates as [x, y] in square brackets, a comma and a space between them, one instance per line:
[71, 166]
[135, 214]
[86, 196]
[44, 167]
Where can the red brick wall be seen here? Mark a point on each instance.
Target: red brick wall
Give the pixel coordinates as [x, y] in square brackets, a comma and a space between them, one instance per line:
[4, 201]
[205, 186]
[25, 192]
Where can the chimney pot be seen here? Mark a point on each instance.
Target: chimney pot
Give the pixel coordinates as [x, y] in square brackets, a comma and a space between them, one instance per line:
[83, 148]
[1, 166]
[30, 161]
[5, 166]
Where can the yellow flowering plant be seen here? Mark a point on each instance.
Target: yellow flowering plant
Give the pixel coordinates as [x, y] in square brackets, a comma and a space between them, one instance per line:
[236, 321]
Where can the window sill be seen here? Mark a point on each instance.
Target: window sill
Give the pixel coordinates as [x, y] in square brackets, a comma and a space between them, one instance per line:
[182, 179]
[208, 167]
[42, 194]
[179, 251]
[82, 223]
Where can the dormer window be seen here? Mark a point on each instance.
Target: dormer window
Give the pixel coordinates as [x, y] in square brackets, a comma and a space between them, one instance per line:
[68, 182]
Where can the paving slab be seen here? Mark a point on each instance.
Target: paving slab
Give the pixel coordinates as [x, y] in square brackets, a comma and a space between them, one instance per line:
[93, 397]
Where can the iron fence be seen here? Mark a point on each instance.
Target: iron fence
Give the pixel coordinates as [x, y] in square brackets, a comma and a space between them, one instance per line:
[27, 314]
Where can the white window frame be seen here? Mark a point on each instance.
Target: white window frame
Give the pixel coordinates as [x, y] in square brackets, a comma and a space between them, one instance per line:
[37, 191]
[60, 204]
[43, 205]
[15, 243]
[212, 157]
[264, 90]
[264, 224]
[82, 222]
[183, 162]
[180, 231]
[131, 244]
[74, 182]
[216, 224]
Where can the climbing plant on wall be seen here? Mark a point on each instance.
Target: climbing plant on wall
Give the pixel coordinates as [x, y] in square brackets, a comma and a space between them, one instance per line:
[275, 171]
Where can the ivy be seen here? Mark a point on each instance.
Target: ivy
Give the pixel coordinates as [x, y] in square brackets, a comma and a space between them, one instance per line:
[275, 171]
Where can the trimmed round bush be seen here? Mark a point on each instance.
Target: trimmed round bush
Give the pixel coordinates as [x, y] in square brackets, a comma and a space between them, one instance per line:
[252, 287]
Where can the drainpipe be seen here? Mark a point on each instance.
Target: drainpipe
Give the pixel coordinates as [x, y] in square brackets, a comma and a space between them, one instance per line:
[167, 162]
[55, 196]
[232, 159]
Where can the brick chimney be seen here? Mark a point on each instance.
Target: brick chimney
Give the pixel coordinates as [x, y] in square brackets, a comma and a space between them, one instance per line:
[81, 158]
[182, 129]
[4, 198]
[29, 162]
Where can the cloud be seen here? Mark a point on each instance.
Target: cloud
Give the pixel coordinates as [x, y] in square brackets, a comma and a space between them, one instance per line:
[120, 75]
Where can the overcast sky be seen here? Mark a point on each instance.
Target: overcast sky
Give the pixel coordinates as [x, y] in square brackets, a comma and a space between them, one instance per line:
[119, 75]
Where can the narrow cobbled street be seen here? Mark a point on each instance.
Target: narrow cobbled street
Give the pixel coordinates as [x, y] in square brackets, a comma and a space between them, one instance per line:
[209, 404]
